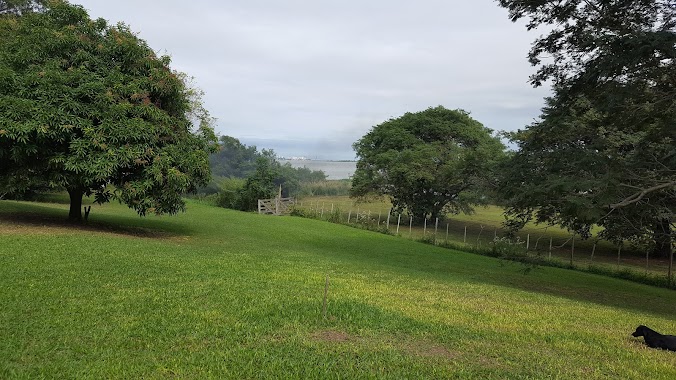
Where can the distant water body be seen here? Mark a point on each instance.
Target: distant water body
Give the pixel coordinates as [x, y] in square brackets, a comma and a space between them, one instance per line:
[332, 169]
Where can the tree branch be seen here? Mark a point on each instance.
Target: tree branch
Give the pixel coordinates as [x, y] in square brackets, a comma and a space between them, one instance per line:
[638, 196]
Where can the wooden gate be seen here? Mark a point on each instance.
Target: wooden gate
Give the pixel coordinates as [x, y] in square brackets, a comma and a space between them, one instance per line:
[276, 206]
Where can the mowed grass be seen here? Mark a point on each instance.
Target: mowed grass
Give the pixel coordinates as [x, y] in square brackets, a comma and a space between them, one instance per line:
[486, 222]
[215, 293]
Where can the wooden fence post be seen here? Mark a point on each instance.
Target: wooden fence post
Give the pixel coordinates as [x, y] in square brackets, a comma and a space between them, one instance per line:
[572, 251]
[527, 242]
[478, 243]
[619, 250]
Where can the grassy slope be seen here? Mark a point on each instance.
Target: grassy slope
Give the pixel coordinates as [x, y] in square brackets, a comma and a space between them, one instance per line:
[217, 293]
[491, 218]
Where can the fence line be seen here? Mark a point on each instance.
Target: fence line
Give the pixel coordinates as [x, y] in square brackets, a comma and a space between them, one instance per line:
[555, 251]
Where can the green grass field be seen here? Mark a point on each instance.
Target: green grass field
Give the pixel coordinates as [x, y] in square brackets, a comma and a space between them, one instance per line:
[215, 293]
[486, 222]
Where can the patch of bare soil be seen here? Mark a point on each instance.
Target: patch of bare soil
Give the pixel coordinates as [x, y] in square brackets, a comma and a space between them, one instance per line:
[428, 349]
[332, 336]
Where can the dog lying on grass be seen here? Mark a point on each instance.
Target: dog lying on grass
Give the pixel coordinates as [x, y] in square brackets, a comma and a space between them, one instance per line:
[656, 340]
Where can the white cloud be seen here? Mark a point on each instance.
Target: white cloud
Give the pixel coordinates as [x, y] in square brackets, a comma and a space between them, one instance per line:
[316, 75]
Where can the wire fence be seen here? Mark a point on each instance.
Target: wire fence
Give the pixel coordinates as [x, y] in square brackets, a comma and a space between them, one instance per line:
[545, 246]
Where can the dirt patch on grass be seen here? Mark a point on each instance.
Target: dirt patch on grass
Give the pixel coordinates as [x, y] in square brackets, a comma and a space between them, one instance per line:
[333, 336]
[428, 349]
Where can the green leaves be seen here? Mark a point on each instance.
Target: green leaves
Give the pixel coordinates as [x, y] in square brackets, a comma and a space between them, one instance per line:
[607, 136]
[91, 105]
[426, 161]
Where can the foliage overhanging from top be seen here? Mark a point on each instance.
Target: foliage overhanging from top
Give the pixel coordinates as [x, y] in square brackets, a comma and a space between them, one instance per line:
[604, 151]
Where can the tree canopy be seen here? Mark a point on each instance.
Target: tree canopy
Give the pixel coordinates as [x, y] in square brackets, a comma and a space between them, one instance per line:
[17, 7]
[427, 162]
[85, 106]
[235, 159]
[604, 150]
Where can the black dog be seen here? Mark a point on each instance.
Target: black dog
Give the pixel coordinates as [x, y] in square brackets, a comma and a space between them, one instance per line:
[655, 339]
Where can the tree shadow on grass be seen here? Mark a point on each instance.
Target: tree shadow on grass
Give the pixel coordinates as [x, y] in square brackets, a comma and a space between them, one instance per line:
[29, 215]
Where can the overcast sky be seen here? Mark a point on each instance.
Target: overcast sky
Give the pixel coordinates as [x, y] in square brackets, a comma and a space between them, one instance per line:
[310, 77]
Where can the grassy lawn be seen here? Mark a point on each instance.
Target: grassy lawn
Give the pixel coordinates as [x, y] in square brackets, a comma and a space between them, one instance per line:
[215, 293]
[486, 222]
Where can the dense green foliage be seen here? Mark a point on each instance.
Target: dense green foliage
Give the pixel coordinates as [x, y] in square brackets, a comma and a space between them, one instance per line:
[263, 175]
[604, 151]
[85, 105]
[430, 162]
[259, 185]
[234, 159]
[17, 7]
[221, 294]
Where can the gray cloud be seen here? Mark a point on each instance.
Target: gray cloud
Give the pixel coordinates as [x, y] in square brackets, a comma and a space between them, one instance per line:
[311, 77]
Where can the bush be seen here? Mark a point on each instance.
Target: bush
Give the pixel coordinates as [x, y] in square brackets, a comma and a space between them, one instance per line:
[508, 248]
[229, 195]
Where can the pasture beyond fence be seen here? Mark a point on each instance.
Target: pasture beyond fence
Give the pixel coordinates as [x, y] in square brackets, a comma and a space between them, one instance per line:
[542, 245]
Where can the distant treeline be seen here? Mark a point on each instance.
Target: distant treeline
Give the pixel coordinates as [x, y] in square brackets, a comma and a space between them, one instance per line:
[242, 174]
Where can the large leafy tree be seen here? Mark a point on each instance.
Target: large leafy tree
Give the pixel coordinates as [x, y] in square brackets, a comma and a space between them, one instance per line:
[604, 151]
[427, 162]
[234, 159]
[20, 6]
[90, 107]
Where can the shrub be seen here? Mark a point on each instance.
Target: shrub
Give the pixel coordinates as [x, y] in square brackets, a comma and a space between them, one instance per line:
[508, 248]
[229, 195]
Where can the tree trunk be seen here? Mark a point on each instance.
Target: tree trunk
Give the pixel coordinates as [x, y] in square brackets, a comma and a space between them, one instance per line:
[662, 236]
[75, 213]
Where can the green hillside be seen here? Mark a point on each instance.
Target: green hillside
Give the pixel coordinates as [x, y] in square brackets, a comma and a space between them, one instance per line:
[215, 293]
